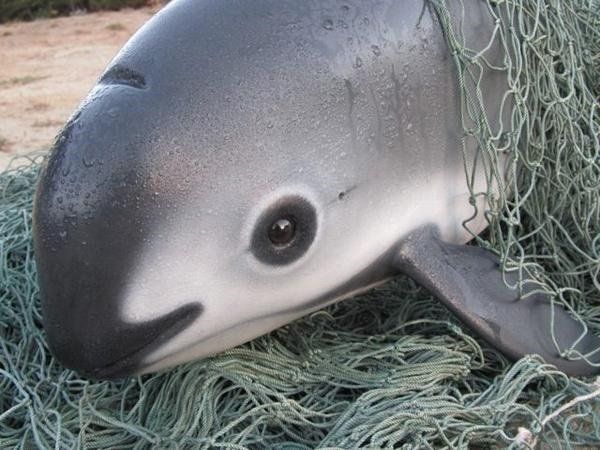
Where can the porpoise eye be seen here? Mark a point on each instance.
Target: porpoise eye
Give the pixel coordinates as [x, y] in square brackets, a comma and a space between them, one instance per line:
[285, 231]
[282, 231]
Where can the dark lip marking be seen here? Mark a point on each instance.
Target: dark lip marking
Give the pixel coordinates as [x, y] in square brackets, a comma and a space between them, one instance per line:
[119, 74]
[128, 365]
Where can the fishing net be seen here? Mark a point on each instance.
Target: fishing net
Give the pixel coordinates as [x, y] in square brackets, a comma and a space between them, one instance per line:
[393, 368]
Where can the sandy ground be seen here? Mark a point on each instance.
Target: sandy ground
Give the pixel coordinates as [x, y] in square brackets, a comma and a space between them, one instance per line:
[48, 66]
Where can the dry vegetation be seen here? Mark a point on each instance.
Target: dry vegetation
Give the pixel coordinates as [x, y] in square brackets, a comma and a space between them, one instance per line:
[11, 10]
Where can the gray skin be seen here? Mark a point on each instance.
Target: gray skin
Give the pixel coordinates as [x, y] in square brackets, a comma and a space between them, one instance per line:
[152, 216]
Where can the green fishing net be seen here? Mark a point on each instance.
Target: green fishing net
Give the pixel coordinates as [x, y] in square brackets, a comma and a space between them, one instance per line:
[393, 368]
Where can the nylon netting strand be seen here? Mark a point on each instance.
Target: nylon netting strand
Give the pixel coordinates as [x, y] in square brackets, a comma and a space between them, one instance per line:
[545, 222]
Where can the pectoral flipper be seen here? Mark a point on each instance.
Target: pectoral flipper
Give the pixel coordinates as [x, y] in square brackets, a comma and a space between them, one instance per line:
[470, 282]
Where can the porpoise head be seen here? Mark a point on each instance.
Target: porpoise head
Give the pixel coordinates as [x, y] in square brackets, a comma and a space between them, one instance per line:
[239, 165]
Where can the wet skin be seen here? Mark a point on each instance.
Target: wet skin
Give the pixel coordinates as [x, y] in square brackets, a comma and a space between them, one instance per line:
[241, 164]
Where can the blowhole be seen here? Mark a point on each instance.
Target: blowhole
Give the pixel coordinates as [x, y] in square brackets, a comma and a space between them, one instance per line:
[119, 74]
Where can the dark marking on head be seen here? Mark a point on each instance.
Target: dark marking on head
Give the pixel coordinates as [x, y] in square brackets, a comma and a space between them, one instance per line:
[159, 332]
[274, 246]
[119, 74]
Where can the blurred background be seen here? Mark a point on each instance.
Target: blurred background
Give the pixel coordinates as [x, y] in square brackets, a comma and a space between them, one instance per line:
[51, 54]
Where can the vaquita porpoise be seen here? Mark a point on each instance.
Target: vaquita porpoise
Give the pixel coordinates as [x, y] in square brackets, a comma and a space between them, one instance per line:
[241, 164]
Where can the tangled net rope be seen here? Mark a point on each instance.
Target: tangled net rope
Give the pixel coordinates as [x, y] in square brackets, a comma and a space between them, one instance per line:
[546, 221]
[392, 368]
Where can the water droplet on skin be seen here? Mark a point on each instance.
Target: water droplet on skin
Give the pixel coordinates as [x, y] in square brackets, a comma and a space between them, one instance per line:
[328, 24]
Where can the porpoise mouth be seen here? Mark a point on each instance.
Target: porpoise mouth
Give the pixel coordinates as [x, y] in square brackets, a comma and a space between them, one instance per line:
[122, 368]
[131, 363]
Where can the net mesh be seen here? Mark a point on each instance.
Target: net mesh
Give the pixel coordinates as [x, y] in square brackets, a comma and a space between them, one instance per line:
[393, 368]
[544, 222]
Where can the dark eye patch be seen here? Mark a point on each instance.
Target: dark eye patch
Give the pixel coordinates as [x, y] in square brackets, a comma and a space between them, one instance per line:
[285, 231]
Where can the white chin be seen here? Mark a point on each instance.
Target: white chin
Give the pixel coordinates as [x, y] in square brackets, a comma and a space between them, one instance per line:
[169, 355]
